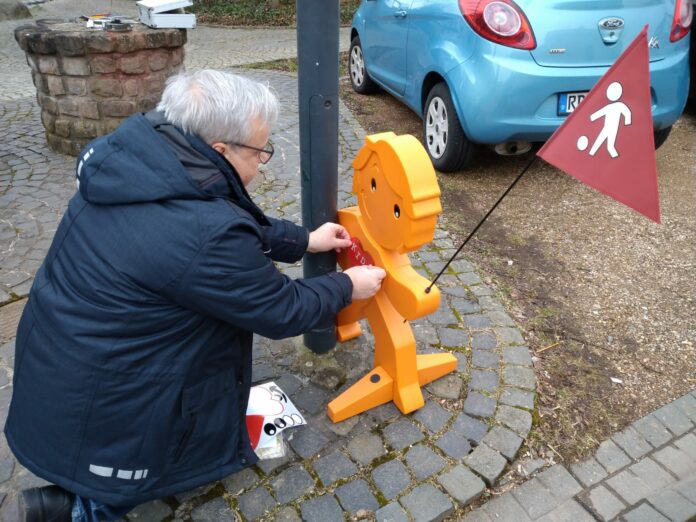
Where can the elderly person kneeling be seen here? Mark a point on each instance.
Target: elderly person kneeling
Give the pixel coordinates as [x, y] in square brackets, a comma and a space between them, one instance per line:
[133, 355]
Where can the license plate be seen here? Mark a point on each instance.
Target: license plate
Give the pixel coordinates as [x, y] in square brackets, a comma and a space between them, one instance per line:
[569, 101]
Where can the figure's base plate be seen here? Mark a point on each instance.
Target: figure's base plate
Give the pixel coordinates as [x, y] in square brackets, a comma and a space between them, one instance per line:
[378, 387]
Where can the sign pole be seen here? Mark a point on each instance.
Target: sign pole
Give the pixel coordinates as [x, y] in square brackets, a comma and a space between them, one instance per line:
[317, 53]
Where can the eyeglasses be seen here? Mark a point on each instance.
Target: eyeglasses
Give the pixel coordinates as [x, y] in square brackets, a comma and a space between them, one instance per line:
[265, 155]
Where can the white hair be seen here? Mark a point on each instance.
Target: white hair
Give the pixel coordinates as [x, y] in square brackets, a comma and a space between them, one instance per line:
[218, 106]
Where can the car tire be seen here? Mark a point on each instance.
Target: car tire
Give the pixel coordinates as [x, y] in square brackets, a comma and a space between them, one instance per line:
[661, 136]
[359, 77]
[447, 145]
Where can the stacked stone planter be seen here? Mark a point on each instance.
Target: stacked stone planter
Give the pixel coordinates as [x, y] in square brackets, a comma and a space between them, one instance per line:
[88, 80]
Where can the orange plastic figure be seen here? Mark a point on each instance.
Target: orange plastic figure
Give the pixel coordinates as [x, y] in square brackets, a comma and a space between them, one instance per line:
[398, 205]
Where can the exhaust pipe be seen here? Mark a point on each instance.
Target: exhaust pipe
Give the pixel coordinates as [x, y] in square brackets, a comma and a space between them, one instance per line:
[512, 148]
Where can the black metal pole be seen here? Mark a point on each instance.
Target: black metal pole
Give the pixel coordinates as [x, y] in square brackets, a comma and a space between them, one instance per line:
[317, 56]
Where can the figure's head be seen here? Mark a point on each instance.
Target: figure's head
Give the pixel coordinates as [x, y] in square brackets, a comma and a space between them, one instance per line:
[614, 91]
[397, 191]
[233, 114]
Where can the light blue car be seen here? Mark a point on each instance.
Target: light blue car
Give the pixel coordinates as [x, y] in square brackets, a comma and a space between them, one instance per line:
[506, 73]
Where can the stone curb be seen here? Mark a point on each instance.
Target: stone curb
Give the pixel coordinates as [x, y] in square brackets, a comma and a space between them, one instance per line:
[646, 472]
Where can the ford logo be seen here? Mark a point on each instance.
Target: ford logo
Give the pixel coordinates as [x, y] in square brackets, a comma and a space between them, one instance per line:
[611, 23]
[610, 29]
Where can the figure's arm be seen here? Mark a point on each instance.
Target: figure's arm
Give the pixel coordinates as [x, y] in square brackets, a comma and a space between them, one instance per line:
[626, 114]
[598, 114]
[405, 288]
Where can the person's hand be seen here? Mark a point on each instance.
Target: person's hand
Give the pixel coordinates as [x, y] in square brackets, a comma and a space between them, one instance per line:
[329, 236]
[367, 280]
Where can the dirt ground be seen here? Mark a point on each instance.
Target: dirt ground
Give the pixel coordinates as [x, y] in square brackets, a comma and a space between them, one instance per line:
[604, 297]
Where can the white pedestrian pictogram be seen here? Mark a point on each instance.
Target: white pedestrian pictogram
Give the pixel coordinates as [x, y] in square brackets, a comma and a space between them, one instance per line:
[612, 114]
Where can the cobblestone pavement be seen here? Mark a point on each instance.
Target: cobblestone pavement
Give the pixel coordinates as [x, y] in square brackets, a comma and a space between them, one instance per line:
[645, 473]
[380, 464]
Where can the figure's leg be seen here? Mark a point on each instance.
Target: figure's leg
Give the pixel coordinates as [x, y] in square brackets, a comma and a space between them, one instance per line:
[395, 375]
[347, 326]
[398, 372]
[395, 352]
[598, 142]
[611, 147]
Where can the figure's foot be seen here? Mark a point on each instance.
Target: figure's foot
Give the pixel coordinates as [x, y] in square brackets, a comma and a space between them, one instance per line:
[408, 398]
[432, 366]
[345, 332]
[47, 504]
[373, 389]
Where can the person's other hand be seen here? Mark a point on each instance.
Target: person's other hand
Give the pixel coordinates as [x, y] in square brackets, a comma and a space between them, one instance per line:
[329, 236]
[367, 280]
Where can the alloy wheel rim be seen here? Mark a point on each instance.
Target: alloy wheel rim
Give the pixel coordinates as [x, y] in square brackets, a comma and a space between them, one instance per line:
[357, 66]
[436, 127]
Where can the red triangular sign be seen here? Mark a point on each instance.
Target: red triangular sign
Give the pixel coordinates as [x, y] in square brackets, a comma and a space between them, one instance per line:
[607, 142]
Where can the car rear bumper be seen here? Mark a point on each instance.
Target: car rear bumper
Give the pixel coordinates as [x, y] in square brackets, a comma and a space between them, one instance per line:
[500, 99]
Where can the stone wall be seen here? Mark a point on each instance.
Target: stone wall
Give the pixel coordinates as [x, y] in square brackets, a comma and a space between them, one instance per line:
[88, 80]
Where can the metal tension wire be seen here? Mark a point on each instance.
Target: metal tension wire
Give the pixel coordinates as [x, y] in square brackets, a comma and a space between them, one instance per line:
[519, 176]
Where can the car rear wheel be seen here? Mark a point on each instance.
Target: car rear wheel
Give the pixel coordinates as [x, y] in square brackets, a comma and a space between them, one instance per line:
[661, 136]
[359, 78]
[447, 145]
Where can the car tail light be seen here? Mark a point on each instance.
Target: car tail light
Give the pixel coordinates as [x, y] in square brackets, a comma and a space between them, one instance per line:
[500, 21]
[683, 13]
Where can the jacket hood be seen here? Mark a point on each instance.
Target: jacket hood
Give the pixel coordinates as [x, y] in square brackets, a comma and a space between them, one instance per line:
[133, 164]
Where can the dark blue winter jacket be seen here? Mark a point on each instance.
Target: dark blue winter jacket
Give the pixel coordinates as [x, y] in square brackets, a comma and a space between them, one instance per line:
[133, 355]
